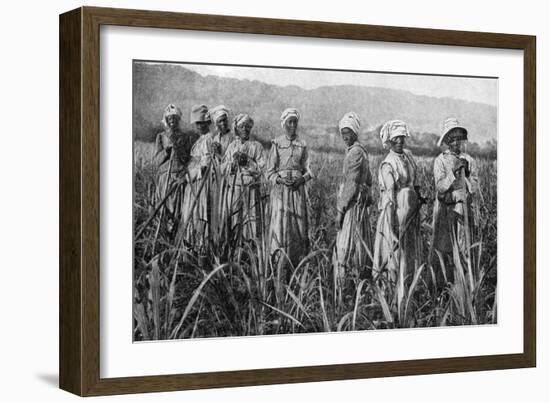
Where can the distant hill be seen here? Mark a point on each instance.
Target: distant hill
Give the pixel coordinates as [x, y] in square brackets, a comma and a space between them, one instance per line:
[156, 85]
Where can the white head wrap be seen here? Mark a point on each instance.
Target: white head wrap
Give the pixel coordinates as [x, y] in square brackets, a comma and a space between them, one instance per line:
[170, 110]
[218, 111]
[351, 121]
[287, 114]
[391, 130]
[241, 118]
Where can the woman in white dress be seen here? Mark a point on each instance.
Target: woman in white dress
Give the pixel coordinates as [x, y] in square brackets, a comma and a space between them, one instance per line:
[172, 154]
[354, 238]
[397, 241]
[199, 192]
[288, 171]
[456, 185]
[242, 166]
[222, 136]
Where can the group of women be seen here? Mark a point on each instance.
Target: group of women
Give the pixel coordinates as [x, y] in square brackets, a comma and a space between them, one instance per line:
[223, 172]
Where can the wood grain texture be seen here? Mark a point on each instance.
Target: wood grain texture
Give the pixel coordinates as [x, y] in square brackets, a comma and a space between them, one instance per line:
[80, 200]
[90, 202]
[317, 29]
[108, 386]
[70, 274]
[530, 202]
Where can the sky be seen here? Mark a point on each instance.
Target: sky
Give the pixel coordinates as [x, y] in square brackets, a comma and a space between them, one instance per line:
[474, 89]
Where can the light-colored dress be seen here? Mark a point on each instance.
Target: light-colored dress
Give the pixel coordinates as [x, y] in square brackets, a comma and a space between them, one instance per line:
[354, 240]
[172, 153]
[454, 208]
[199, 193]
[288, 234]
[224, 140]
[242, 211]
[397, 242]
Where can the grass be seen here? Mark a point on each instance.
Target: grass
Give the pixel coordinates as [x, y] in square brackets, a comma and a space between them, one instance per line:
[233, 290]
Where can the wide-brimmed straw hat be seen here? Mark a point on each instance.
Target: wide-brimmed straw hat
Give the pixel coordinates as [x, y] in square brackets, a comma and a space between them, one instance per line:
[199, 113]
[448, 125]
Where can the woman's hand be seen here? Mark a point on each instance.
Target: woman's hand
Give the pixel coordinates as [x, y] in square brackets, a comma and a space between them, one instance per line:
[466, 165]
[421, 199]
[297, 183]
[216, 148]
[283, 181]
[233, 167]
[242, 159]
[460, 163]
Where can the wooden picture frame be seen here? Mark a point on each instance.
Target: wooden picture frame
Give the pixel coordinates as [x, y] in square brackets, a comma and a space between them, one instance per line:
[79, 281]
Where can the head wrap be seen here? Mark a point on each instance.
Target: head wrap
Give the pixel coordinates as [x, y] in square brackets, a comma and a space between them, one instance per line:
[449, 125]
[170, 110]
[289, 113]
[351, 121]
[199, 113]
[239, 119]
[218, 111]
[391, 130]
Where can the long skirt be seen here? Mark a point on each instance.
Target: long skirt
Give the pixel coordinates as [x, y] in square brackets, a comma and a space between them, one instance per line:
[241, 215]
[172, 207]
[453, 234]
[195, 214]
[354, 240]
[397, 242]
[288, 233]
[173, 202]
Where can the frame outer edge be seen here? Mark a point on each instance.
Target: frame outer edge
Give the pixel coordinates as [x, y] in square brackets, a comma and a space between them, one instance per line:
[530, 203]
[305, 28]
[90, 199]
[70, 278]
[84, 185]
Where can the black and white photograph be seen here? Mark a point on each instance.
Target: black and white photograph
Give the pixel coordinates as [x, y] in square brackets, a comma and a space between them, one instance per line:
[270, 200]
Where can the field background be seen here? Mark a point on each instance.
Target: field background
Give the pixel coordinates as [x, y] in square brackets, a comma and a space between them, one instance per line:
[238, 298]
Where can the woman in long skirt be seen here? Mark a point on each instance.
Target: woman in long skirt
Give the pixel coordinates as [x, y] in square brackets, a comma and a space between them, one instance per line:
[242, 168]
[456, 203]
[172, 154]
[222, 136]
[199, 192]
[354, 238]
[397, 242]
[288, 170]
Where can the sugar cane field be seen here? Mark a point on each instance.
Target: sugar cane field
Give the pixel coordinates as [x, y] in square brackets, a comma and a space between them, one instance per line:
[228, 289]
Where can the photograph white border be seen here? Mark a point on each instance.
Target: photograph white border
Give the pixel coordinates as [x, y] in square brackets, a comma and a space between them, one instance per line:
[119, 357]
